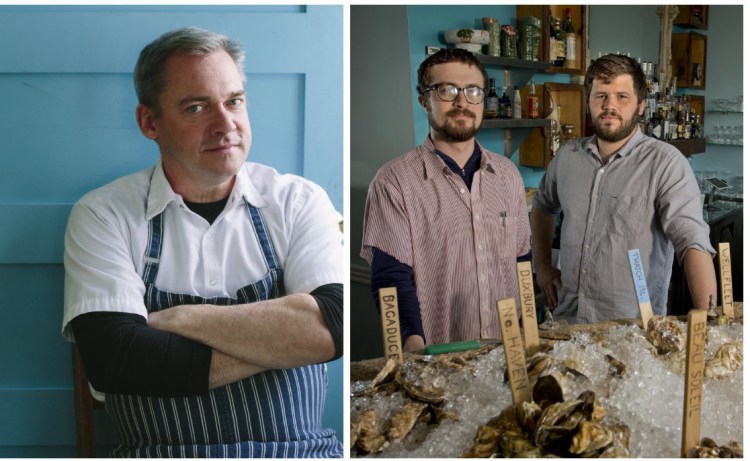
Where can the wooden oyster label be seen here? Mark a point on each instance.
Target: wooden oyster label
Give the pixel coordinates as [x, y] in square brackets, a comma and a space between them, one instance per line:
[641, 287]
[725, 271]
[528, 306]
[515, 356]
[391, 325]
[691, 417]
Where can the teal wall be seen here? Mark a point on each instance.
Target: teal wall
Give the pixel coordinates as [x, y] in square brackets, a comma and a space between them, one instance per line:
[68, 126]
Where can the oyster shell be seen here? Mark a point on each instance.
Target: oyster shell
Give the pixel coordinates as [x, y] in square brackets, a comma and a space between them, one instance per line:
[370, 438]
[485, 442]
[710, 449]
[387, 374]
[514, 445]
[424, 391]
[557, 423]
[403, 420]
[590, 438]
[548, 390]
[617, 369]
[726, 361]
[666, 334]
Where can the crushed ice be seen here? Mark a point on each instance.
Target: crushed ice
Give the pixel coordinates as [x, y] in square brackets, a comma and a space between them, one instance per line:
[648, 398]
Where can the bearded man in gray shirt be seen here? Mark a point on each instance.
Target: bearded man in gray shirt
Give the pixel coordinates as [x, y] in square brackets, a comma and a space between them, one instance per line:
[618, 190]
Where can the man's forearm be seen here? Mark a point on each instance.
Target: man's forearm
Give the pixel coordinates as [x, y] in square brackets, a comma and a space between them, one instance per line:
[542, 232]
[226, 369]
[280, 333]
[701, 278]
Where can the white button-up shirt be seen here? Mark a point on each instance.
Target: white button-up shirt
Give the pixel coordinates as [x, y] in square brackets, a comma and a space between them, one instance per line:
[107, 235]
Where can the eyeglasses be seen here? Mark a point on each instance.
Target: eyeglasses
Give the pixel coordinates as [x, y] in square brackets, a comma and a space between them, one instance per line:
[449, 93]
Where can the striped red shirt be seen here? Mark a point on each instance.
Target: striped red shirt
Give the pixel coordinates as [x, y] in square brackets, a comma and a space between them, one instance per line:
[462, 244]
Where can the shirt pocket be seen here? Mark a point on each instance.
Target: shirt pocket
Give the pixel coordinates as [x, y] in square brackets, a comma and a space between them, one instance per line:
[629, 214]
[503, 228]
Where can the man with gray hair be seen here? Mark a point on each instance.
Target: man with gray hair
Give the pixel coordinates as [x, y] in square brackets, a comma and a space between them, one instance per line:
[205, 293]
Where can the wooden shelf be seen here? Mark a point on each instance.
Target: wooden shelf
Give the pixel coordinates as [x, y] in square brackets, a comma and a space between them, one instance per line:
[689, 146]
[692, 16]
[494, 123]
[512, 63]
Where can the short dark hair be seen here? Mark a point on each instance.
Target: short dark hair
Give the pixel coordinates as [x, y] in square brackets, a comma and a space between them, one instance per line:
[150, 71]
[444, 56]
[610, 66]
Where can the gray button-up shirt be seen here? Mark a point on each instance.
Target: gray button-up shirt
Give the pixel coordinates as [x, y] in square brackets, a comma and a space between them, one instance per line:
[645, 197]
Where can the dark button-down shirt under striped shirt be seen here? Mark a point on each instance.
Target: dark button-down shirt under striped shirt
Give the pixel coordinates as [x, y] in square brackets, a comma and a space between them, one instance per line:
[645, 197]
[462, 244]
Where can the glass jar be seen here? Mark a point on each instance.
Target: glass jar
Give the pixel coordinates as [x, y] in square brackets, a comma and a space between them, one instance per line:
[530, 36]
[493, 27]
[508, 40]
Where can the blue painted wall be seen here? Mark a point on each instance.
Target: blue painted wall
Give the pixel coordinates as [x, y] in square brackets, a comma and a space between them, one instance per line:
[68, 126]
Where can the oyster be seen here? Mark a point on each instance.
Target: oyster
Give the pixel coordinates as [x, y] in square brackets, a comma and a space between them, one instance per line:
[514, 445]
[508, 433]
[557, 423]
[725, 362]
[666, 334]
[548, 390]
[617, 368]
[424, 391]
[590, 438]
[387, 374]
[485, 443]
[370, 438]
[537, 365]
[710, 449]
[404, 419]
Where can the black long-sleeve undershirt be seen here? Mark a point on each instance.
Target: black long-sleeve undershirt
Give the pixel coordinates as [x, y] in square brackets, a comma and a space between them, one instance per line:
[123, 355]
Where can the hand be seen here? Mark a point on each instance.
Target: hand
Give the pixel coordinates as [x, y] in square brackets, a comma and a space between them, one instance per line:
[413, 343]
[548, 279]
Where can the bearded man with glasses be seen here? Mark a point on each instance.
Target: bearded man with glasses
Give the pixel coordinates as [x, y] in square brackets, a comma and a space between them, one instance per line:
[446, 222]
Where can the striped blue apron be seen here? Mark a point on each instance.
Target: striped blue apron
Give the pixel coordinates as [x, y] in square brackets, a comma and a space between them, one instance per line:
[276, 413]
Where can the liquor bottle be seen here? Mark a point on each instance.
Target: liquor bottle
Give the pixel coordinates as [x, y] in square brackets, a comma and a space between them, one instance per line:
[559, 50]
[697, 131]
[656, 123]
[570, 40]
[532, 106]
[670, 126]
[517, 103]
[506, 108]
[491, 101]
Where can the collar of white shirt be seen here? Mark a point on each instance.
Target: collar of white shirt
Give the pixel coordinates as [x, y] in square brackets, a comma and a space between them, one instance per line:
[160, 192]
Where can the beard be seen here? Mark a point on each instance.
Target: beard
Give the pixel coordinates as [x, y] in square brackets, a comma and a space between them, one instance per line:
[452, 130]
[606, 133]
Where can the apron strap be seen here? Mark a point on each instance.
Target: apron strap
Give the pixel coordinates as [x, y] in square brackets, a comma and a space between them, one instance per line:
[153, 250]
[269, 253]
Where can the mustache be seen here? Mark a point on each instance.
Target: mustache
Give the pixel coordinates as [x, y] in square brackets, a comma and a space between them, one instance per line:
[610, 114]
[464, 112]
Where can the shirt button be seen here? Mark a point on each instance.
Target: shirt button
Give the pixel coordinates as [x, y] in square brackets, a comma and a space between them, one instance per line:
[480, 246]
[212, 282]
[476, 216]
[463, 190]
